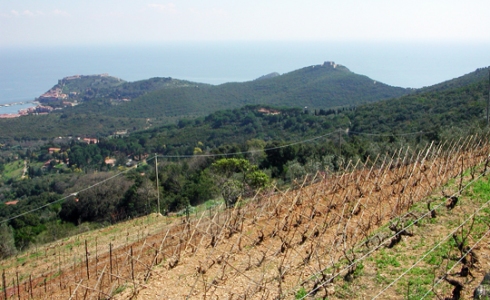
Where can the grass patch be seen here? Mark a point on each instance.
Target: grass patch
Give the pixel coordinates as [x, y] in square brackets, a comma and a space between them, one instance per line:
[437, 256]
[13, 170]
[36, 254]
[359, 269]
[480, 191]
[384, 260]
[119, 289]
[22, 259]
[301, 293]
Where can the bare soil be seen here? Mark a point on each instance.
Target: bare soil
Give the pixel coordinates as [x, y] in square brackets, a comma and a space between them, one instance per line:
[312, 241]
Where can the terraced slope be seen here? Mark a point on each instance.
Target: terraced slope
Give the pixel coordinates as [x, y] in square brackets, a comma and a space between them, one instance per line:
[352, 235]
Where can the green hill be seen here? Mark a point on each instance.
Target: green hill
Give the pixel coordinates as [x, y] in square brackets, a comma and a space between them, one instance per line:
[425, 115]
[89, 87]
[321, 86]
[464, 80]
[456, 103]
[298, 141]
[110, 104]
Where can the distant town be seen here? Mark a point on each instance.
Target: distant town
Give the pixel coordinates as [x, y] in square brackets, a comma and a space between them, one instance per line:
[54, 99]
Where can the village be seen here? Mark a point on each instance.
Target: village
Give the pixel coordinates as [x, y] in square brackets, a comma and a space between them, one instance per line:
[54, 99]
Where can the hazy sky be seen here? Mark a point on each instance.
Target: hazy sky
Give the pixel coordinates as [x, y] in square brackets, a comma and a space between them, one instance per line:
[95, 22]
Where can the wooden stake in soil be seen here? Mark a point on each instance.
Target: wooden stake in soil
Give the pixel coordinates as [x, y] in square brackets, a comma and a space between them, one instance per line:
[4, 285]
[117, 270]
[18, 286]
[30, 286]
[110, 261]
[96, 257]
[132, 263]
[86, 259]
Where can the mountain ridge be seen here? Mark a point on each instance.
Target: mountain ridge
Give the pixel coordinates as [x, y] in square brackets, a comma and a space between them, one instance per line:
[165, 100]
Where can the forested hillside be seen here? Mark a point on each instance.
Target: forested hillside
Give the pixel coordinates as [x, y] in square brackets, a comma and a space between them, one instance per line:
[105, 104]
[321, 86]
[259, 144]
[88, 87]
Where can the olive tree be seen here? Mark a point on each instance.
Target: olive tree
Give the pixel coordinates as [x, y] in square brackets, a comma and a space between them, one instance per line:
[236, 177]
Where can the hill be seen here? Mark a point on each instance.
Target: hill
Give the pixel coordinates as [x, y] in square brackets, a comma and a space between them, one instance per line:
[322, 86]
[102, 86]
[373, 161]
[434, 114]
[357, 234]
[458, 103]
[109, 104]
[480, 74]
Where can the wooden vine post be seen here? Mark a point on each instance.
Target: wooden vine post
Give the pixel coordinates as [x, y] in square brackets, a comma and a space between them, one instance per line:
[86, 259]
[4, 285]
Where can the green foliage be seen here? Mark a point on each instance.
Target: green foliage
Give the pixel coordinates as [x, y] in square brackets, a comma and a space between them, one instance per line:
[229, 166]
[7, 242]
[98, 203]
[235, 176]
[301, 293]
[102, 111]
[427, 112]
[259, 141]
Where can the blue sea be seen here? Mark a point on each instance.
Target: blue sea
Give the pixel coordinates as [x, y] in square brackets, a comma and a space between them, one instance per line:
[26, 73]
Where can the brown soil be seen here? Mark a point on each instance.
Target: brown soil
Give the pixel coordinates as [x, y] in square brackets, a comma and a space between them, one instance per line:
[276, 245]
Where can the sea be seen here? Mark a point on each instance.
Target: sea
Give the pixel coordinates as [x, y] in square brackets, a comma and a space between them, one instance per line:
[27, 72]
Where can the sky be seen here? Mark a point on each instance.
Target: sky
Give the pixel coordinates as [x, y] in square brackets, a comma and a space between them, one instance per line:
[26, 23]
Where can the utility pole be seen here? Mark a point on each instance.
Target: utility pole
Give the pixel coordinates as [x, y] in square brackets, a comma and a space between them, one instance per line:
[158, 188]
[488, 100]
[340, 142]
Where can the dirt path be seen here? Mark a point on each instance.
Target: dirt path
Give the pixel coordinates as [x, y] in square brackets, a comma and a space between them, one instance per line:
[24, 171]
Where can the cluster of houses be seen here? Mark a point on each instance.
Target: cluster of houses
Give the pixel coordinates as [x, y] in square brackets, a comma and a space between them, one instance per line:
[53, 94]
[266, 111]
[110, 161]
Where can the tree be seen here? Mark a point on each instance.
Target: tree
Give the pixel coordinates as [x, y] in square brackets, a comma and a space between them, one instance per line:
[99, 203]
[236, 177]
[147, 194]
[256, 149]
[7, 242]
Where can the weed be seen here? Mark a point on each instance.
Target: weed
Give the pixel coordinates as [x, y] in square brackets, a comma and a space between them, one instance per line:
[386, 260]
[381, 279]
[437, 256]
[416, 291]
[301, 293]
[119, 289]
[359, 270]
[21, 260]
[36, 254]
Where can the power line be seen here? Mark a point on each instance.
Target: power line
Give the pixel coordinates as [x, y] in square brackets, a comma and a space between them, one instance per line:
[431, 250]
[459, 261]
[66, 197]
[155, 157]
[289, 145]
[391, 134]
[176, 156]
[381, 244]
[250, 151]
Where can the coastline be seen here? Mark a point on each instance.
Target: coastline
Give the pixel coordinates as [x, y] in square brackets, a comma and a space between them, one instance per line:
[17, 109]
[17, 103]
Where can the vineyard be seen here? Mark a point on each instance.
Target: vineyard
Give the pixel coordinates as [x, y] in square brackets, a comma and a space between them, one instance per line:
[372, 231]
